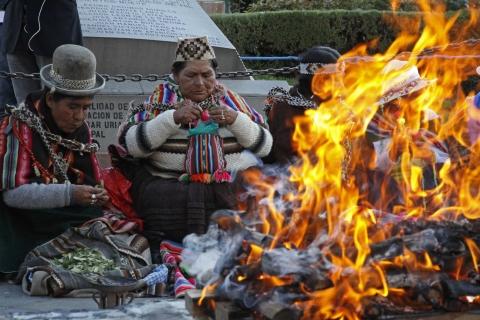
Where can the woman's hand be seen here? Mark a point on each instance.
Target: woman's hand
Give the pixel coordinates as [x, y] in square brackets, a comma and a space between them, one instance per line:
[186, 112]
[223, 115]
[84, 195]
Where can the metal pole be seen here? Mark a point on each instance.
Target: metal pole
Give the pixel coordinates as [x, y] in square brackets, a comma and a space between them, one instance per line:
[227, 6]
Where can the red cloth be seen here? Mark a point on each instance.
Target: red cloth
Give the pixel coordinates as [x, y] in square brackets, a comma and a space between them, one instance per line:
[118, 188]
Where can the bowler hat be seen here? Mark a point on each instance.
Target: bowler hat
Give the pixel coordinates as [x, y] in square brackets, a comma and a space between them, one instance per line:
[72, 72]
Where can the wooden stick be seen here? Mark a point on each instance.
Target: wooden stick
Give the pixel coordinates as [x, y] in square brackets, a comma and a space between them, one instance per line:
[191, 303]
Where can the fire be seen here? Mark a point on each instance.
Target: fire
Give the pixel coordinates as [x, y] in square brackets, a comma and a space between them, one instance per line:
[474, 251]
[335, 206]
[255, 253]
[323, 186]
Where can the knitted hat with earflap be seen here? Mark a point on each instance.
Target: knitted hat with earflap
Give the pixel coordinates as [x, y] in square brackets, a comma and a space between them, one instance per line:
[318, 55]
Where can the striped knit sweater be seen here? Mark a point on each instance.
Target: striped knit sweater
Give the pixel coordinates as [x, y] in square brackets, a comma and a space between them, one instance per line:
[151, 133]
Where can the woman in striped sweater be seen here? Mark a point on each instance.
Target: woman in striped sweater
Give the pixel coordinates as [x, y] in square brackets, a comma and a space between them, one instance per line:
[192, 136]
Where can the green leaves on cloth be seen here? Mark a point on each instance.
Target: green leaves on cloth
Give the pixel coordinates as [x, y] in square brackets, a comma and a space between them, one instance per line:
[85, 261]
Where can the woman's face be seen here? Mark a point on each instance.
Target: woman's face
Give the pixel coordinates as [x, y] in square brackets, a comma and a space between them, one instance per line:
[69, 114]
[196, 80]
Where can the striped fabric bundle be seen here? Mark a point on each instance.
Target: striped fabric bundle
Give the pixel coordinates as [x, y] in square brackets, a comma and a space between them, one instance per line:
[205, 162]
[14, 159]
[171, 253]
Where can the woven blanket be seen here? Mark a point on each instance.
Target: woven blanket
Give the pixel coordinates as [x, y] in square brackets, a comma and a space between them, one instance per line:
[129, 252]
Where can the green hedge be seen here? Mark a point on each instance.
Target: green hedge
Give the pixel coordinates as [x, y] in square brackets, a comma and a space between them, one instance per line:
[291, 32]
[403, 5]
[239, 5]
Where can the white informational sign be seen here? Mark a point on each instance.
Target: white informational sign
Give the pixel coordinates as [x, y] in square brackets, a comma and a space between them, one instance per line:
[2, 14]
[163, 20]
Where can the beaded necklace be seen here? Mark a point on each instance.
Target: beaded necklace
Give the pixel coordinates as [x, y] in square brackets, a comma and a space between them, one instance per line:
[277, 94]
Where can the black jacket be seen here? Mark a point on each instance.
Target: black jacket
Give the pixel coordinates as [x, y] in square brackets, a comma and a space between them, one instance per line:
[59, 24]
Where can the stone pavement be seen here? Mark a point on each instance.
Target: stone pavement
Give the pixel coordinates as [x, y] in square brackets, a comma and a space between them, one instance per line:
[14, 304]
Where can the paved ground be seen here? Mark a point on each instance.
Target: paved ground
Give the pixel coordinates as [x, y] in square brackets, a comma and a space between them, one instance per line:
[14, 304]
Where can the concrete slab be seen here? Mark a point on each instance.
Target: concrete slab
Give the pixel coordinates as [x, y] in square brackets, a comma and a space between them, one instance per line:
[14, 304]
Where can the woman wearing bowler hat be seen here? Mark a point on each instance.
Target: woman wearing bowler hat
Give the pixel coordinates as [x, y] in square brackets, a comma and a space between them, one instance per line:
[48, 168]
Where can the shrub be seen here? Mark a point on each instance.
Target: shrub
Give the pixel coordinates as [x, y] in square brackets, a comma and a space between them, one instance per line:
[276, 5]
[291, 32]
[403, 5]
[240, 5]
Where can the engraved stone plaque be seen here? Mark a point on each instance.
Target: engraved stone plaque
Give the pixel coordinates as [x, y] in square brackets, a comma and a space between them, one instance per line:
[163, 20]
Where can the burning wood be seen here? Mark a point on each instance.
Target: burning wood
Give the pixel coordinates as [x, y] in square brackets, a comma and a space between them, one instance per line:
[380, 216]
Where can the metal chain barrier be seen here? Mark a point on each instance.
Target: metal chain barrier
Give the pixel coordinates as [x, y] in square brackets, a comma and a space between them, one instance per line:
[156, 77]
[431, 53]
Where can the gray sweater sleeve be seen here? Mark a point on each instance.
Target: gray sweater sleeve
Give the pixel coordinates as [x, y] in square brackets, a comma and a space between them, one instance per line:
[39, 196]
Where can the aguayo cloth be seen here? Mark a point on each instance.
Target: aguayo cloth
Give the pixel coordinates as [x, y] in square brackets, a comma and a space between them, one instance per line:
[128, 252]
[168, 93]
[25, 159]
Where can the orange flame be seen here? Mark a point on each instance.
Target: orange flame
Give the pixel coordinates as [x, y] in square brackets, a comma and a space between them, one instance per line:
[474, 251]
[331, 200]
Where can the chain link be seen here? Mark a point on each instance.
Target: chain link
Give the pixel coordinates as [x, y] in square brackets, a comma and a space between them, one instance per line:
[431, 53]
[136, 77]
[262, 72]
[19, 75]
[60, 165]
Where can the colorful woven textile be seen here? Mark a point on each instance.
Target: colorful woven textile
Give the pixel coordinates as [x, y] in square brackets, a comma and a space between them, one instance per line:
[129, 251]
[22, 152]
[168, 93]
[172, 247]
[171, 253]
[205, 161]
[182, 285]
[119, 223]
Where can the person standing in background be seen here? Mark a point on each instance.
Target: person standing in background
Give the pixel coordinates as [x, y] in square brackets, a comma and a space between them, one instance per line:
[6, 90]
[33, 29]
